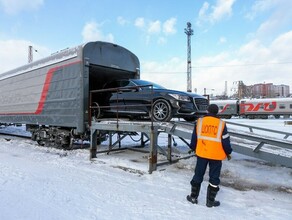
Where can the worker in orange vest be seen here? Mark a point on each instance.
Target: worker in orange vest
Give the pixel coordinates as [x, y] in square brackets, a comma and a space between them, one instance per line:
[211, 144]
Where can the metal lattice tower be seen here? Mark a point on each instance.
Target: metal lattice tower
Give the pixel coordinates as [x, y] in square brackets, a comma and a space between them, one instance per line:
[189, 32]
[30, 54]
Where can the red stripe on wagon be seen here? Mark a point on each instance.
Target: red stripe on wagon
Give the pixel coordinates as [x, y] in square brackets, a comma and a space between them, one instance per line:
[47, 85]
[45, 91]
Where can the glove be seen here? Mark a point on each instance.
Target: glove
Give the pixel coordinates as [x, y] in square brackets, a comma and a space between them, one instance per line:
[229, 157]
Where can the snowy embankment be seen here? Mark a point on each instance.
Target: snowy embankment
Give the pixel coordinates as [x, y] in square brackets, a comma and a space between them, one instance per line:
[44, 183]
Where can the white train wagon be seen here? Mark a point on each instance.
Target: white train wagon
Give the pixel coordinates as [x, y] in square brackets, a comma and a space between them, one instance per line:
[262, 108]
[227, 108]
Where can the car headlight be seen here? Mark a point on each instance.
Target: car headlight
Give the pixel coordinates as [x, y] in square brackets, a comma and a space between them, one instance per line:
[180, 97]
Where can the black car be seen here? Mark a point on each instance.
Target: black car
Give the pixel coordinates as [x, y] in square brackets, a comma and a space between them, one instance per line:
[139, 99]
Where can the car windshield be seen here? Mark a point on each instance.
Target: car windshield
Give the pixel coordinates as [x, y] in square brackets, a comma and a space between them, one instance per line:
[144, 83]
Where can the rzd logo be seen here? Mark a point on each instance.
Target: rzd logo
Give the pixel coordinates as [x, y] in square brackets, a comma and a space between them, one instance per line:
[209, 130]
[264, 106]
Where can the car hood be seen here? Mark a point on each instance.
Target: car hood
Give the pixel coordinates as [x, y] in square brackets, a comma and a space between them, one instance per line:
[193, 95]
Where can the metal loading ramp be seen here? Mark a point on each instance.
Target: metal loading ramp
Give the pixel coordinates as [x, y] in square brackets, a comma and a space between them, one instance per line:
[262, 143]
[268, 148]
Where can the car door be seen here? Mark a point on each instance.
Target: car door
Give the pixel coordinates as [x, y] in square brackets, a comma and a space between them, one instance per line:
[136, 99]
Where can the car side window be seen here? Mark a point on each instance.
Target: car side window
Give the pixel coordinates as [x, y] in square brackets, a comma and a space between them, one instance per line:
[282, 106]
[126, 83]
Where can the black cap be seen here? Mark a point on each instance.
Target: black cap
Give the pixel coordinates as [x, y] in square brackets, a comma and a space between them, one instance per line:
[213, 109]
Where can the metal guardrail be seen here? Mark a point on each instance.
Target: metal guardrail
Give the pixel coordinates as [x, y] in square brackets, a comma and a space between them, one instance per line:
[268, 148]
[262, 147]
[252, 128]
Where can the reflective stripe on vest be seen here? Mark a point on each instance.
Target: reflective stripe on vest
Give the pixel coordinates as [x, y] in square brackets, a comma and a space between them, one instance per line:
[219, 131]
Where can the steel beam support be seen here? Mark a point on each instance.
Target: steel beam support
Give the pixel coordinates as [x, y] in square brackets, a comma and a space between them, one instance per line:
[93, 144]
[263, 155]
[169, 144]
[153, 150]
[257, 149]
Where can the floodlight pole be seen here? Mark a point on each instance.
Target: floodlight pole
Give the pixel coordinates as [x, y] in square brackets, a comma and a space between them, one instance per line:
[189, 32]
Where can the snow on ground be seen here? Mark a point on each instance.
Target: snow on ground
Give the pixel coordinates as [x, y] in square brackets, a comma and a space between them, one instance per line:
[44, 183]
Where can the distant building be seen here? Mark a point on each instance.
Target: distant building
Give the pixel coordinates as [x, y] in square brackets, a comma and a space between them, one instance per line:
[282, 90]
[268, 90]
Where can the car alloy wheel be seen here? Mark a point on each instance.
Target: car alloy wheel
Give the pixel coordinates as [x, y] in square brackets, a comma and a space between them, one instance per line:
[161, 110]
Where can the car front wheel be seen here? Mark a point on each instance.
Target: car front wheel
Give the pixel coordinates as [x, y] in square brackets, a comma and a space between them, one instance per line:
[161, 110]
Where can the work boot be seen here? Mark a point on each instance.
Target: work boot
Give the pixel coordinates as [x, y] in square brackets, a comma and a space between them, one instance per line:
[211, 195]
[193, 197]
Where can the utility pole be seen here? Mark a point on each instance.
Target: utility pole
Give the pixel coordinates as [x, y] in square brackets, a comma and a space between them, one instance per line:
[189, 32]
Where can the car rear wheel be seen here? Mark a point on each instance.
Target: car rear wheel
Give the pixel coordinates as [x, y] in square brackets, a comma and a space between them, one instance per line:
[161, 110]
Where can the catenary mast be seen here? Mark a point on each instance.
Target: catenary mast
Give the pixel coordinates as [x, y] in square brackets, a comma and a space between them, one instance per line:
[189, 32]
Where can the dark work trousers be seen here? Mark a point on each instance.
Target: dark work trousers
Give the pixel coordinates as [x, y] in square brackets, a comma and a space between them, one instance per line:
[214, 171]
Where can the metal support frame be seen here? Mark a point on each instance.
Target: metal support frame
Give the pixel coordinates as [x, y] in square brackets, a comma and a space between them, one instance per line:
[153, 149]
[146, 130]
[257, 149]
[266, 148]
[169, 144]
[149, 130]
[93, 144]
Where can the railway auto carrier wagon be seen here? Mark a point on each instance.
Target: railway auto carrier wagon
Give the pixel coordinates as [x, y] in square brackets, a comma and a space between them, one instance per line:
[51, 95]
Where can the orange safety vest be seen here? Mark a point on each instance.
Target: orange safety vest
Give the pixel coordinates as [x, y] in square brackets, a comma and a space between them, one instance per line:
[209, 134]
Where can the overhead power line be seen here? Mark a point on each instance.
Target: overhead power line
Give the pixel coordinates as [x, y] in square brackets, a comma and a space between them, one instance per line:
[246, 64]
[215, 66]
